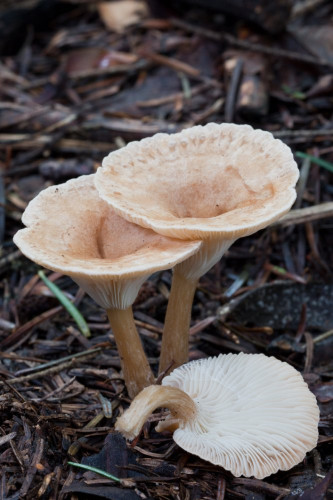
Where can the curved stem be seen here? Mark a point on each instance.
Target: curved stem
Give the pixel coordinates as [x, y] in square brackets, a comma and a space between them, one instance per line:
[134, 362]
[177, 322]
[181, 406]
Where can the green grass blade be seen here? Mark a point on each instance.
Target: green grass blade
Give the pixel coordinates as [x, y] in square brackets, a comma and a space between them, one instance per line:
[70, 308]
[95, 469]
[279, 269]
[295, 94]
[314, 159]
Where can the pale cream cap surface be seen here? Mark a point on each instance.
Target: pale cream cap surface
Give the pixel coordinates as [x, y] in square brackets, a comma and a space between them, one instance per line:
[207, 181]
[70, 229]
[255, 414]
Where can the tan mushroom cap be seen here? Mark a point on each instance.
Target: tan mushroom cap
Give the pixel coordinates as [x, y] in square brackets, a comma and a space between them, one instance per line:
[255, 414]
[207, 181]
[70, 229]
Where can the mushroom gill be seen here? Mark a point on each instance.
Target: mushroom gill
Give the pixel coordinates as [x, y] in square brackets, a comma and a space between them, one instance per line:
[249, 413]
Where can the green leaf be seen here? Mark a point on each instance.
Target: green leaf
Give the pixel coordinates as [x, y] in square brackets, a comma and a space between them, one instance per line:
[68, 305]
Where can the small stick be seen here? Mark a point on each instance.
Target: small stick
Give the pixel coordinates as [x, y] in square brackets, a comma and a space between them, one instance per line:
[308, 214]
[233, 91]
[253, 47]
[53, 369]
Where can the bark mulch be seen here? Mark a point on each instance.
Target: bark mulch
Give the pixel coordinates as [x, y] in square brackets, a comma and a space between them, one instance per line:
[71, 91]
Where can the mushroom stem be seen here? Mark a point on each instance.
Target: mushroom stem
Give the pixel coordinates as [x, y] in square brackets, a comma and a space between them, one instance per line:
[181, 406]
[134, 363]
[177, 320]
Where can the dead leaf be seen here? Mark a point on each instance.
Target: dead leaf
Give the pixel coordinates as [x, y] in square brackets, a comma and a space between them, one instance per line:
[78, 62]
[104, 491]
[323, 392]
[318, 40]
[324, 86]
[117, 16]
[319, 491]
[114, 456]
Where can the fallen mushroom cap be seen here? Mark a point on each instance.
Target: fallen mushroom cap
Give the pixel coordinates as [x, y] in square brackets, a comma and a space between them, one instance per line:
[254, 414]
[70, 229]
[205, 182]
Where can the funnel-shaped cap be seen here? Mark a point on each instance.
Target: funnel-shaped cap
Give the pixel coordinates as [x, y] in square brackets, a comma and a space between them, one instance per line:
[70, 229]
[215, 181]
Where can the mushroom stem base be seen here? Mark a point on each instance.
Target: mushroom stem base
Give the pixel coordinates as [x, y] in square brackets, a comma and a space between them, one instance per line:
[175, 338]
[181, 406]
[134, 362]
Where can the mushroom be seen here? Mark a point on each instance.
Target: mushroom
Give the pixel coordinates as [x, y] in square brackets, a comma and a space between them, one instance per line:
[70, 229]
[249, 413]
[216, 183]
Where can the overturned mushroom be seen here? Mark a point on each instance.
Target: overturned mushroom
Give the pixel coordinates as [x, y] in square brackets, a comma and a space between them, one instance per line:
[250, 413]
[216, 183]
[73, 231]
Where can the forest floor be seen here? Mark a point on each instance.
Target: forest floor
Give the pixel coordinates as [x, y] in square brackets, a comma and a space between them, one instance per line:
[71, 92]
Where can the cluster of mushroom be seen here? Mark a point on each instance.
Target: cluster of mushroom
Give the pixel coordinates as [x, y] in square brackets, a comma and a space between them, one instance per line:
[214, 183]
[170, 201]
